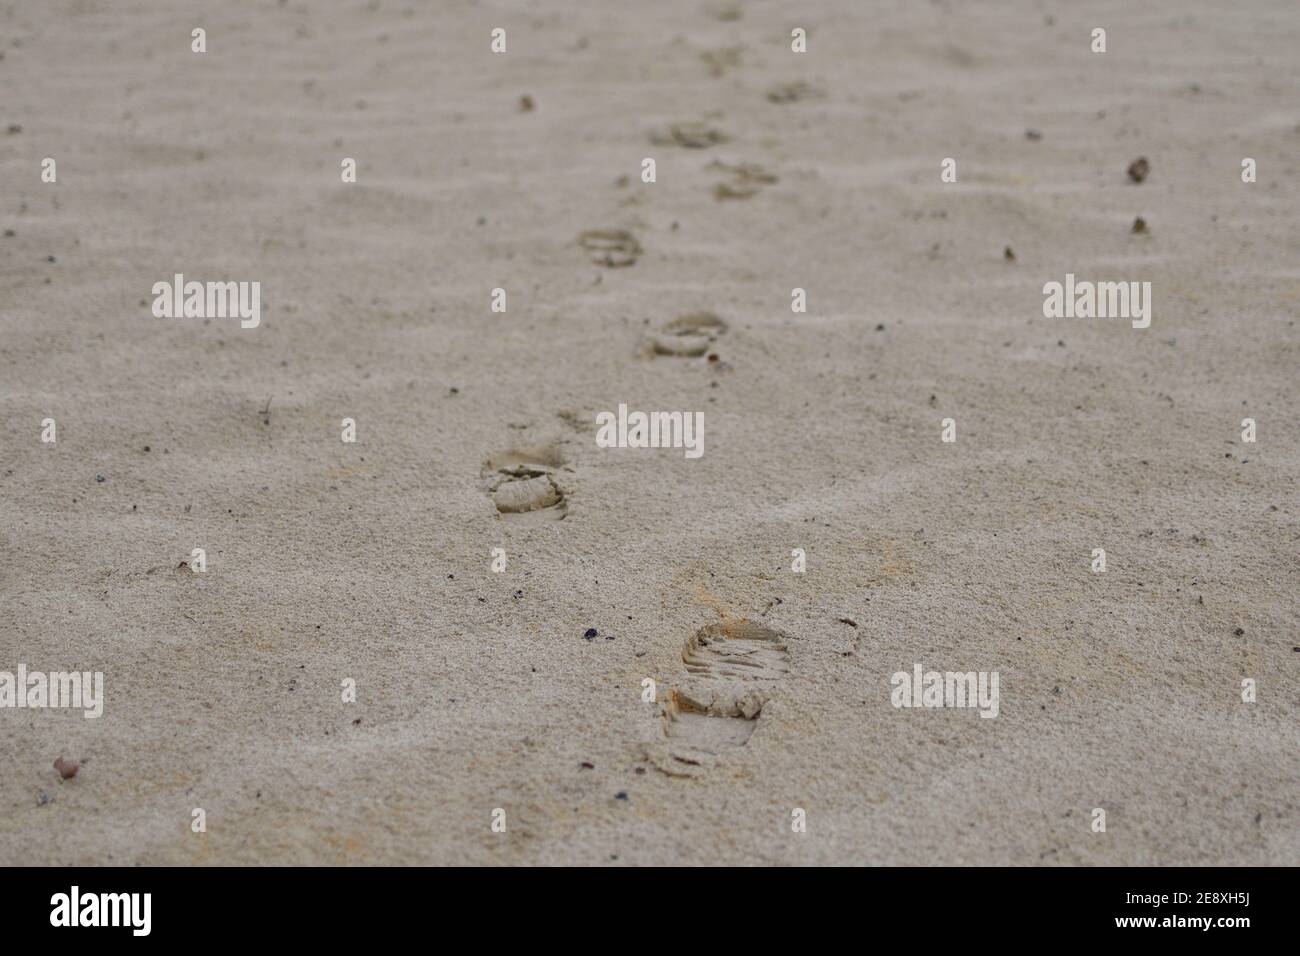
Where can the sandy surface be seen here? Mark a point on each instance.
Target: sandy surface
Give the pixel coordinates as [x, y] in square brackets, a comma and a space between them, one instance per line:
[372, 561]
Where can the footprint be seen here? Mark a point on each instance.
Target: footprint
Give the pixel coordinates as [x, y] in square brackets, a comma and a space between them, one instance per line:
[793, 92]
[612, 248]
[727, 13]
[720, 60]
[701, 731]
[744, 179]
[689, 135]
[733, 665]
[521, 482]
[687, 336]
[737, 650]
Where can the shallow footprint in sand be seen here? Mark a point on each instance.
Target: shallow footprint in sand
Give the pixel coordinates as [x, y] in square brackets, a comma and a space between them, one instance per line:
[687, 336]
[733, 665]
[689, 135]
[522, 482]
[612, 248]
[737, 650]
[720, 60]
[793, 92]
[743, 179]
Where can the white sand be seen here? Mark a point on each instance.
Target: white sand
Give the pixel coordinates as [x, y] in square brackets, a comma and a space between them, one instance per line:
[329, 561]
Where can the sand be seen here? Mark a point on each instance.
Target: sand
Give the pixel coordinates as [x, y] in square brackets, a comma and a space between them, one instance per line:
[372, 561]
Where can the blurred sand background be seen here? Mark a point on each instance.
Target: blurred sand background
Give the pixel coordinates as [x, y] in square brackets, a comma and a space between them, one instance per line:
[372, 560]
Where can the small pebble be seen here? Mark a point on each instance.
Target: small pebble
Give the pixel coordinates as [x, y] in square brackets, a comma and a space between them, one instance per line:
[1139, 225]
[591, 632]
[1138, 169]
[67, 769]
[621, 795]
[100, 478]
[1239, 632]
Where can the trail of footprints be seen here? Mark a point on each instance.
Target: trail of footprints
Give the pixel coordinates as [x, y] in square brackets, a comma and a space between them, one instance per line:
[732, 664]
[733, 667]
